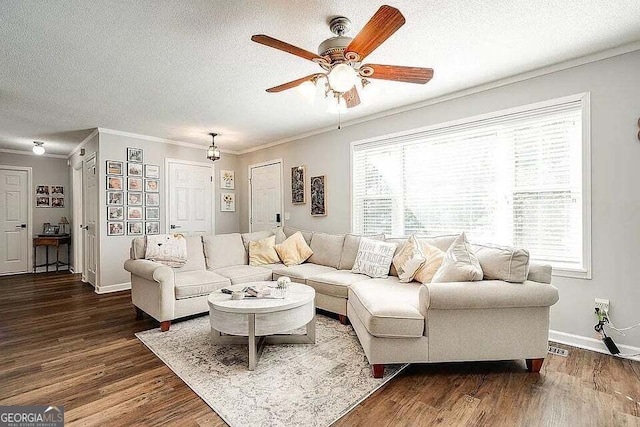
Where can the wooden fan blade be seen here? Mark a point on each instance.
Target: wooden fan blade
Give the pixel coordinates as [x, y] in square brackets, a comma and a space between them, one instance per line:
[351, 97]
[293, 84]
[397, 73]
[380, 27]
[286, 47]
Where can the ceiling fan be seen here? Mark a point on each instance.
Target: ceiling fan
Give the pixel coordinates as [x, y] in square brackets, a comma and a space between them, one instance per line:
[341, 58]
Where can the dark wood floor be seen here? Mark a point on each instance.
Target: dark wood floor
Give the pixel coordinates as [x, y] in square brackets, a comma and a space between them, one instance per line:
[60, 343]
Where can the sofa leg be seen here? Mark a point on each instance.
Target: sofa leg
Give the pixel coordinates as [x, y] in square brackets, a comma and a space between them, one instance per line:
[534, 365]
[343, 319]
[164, 326]
[139, 314]
[378, 370]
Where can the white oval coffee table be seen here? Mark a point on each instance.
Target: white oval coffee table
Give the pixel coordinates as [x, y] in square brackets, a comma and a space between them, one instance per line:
[262, 320]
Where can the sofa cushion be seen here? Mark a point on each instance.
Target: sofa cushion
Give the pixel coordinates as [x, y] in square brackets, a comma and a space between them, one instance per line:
[409, 260]
[441, 242]
[224, 250]
[294, 250]
[280, 236]
[374, 258]
[167, 249]
[245, 273]
[263, 251]
[195, 255]
[460, 264]
[327, 249]
[290, 231]
[335, 283]
[350, 249]
[388, 308]
[274, 266]
[540, 273]
[503, 263]
[190, 284]
[300, 273]
[254, 237]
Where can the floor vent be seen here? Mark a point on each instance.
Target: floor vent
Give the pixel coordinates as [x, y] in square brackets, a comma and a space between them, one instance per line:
[558, 351]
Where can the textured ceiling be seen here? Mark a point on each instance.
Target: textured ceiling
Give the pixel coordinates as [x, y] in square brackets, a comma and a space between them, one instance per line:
[178, 70]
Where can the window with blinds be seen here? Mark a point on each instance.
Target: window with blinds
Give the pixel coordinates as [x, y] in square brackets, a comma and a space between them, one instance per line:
[513, 179]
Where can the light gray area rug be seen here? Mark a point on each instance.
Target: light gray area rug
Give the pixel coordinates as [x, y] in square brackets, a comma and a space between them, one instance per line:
[293, 385]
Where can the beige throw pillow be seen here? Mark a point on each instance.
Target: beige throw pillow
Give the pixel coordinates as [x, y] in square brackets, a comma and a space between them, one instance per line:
[374, 258]
[433, 261]
[409, 260]
[503, 262]
[294, 250]
[460, 263]
[263, 251]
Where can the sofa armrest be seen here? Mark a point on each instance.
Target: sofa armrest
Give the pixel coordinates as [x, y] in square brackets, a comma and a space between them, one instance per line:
[486, 294]
[150, 270]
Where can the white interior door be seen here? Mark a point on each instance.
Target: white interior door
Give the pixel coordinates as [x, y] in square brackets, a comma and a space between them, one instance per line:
[90, 220]
[14, 220]
[189, 198]
[266, 196]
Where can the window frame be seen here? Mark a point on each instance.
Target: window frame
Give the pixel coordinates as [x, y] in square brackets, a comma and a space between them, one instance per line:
[585, 103]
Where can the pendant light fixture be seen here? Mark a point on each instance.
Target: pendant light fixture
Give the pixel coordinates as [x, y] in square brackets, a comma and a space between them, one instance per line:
[213, 152]
[38, 148]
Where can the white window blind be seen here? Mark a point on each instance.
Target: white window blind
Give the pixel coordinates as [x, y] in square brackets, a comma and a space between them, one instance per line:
[514, 179]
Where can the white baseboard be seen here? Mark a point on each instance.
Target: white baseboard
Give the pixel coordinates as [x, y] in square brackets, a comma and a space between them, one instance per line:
[113, 288]
[592, 344]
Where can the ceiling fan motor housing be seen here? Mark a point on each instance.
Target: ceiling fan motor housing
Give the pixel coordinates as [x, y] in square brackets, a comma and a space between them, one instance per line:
[334, 48]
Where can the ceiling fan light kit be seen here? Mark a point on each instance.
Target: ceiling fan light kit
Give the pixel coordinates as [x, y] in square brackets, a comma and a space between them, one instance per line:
[345, 79]
[38, 148]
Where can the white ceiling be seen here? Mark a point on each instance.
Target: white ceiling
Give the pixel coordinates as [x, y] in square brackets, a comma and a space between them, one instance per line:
[178, 70]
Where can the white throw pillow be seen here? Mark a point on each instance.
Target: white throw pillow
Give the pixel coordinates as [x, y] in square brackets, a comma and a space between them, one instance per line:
[409, 260]
[374, 258]
[460, 263]
[167, 249]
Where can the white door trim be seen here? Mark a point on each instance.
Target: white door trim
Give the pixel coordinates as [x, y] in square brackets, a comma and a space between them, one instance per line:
[77, 215]
[167, 211]
[267, 163]
[29, 171]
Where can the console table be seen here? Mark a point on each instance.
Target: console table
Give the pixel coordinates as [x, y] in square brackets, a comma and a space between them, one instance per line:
[55, 241]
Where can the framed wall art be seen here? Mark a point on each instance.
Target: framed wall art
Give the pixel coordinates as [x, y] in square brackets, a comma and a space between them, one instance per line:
[115, 213]
[152, 199]
[151, 185]
[135, 155]
[152, 227]
[152, 171]
[134, 212]
[134, 169]
[114, 167]
[115, 198]
[135, 228]
[227, 202]
[297, 185]
[227, 180]
[115, 228]
[134, 184]
[152, 213]
[115, 183]
[134, 199]
[318, 196]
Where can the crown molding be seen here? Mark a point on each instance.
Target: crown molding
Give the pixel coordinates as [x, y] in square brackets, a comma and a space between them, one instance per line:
[83, 143]
[162, 140]
[550, 69]
[31, 153]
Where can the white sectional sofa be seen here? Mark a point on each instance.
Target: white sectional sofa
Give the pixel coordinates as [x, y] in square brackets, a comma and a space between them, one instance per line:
[395, 322]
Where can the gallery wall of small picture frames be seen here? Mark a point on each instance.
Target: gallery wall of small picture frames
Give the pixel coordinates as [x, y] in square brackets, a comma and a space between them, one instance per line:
[133, 198]
[49, 196]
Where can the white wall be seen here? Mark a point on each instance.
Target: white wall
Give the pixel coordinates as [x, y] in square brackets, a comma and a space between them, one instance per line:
[45, 171]
[114, 250]
[615, 107]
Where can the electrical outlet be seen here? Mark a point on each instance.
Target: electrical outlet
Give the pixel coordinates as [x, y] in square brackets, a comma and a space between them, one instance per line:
[602, 304]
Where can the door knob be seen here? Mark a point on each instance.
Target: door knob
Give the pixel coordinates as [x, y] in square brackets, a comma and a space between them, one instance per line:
[173, 227]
